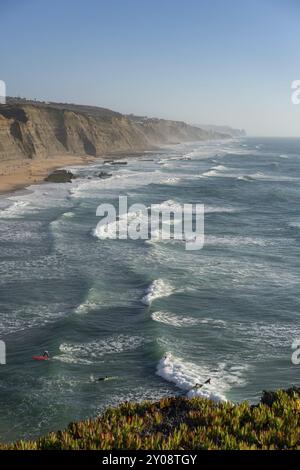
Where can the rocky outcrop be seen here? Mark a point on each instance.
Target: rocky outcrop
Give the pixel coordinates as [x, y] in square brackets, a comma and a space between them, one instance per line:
[30, 130]
[60, 176]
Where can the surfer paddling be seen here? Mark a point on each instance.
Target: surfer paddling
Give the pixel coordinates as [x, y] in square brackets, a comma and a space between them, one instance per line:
[102, 379]
[44, 357]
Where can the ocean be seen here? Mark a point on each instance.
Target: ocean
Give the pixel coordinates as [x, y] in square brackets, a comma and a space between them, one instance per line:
[154, 317]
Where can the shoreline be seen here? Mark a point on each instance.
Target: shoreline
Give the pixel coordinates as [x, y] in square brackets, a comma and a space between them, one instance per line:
[16, 175]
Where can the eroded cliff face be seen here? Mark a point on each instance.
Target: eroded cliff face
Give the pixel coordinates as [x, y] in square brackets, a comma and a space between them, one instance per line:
[30, 131]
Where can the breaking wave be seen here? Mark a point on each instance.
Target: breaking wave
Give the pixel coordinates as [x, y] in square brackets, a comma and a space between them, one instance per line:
[171, 319]
[185, 375]
[158, 289]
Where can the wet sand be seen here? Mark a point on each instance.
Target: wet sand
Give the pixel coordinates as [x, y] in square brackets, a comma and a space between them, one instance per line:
[18, 174]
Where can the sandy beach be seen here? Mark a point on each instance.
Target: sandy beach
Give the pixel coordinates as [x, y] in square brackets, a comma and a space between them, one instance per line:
[18, 174]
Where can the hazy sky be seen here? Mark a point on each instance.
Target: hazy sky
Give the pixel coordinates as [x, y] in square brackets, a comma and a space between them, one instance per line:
[204, 61]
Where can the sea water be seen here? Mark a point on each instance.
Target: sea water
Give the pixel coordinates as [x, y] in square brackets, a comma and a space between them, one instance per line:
[151, 315]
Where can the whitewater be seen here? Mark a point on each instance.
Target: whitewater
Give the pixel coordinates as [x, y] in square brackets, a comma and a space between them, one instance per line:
[155, 317]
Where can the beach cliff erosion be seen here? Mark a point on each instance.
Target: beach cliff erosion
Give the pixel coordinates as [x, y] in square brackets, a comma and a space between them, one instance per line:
[38, 137]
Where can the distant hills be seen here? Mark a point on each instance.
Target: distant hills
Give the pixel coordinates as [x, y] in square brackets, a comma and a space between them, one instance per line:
[223, 129]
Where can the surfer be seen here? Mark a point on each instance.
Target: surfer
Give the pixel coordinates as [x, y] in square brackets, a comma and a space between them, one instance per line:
[102, 379]
[197, 386]
[46, 355]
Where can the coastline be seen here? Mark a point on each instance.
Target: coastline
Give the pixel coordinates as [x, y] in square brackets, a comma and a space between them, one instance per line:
[17, 174]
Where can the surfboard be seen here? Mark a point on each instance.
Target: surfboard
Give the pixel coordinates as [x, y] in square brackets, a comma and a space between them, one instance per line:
[40, 358]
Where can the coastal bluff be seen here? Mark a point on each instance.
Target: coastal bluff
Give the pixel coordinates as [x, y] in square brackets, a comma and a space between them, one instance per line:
[38, 130]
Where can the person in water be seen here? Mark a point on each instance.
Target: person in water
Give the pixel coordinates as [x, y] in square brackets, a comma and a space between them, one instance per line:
[197, 386]
[102, 379]
[46, 355]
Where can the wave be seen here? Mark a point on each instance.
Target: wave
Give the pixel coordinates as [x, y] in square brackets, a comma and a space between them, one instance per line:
[120, 228]
[294, 224]
[174, 206]
[265, 177]
[183, 321]
[170, 180]
[217, 172]
[210, 173]
[185, 375]
[123, 180]
[88, 353]
[157, 289]
[30, 316]
[140, 219]
[92, 302]
[220, 168]
[34, 199]
[238, 241]
[68, 214]
[14, 210]
[168, 205]
[246, 178]
[209, 209]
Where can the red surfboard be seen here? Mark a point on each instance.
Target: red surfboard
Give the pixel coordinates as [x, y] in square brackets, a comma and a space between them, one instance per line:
[40, 358]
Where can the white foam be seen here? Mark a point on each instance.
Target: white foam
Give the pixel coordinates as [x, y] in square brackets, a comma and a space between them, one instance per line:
[209, 209]
[15, 210]
[294, 224]
[237, 241]
[174, 206]
[245, 178]
[31, 316]
[265, 177]
[91, 302]
[123, 180]
[35, 199]
[170, 180]
[171, 319]
[210, 173]
[87, 353]
[68, 214]
[158, 289]
[220, 168]
[186, 375]
[120, 227]
[86, 307]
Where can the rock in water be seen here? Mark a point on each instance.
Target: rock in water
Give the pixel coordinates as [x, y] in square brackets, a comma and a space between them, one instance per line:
[60, 176]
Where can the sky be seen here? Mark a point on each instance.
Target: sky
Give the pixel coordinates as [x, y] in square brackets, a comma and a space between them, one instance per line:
[224, 62]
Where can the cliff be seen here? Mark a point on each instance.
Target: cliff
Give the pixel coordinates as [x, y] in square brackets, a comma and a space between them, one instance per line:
[224, 130]
[36, 130]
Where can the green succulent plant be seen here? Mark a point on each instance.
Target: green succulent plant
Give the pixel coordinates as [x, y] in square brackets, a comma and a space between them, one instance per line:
[181, 423]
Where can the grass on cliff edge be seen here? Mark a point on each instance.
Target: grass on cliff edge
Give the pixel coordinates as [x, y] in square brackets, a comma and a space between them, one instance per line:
[180, 423]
